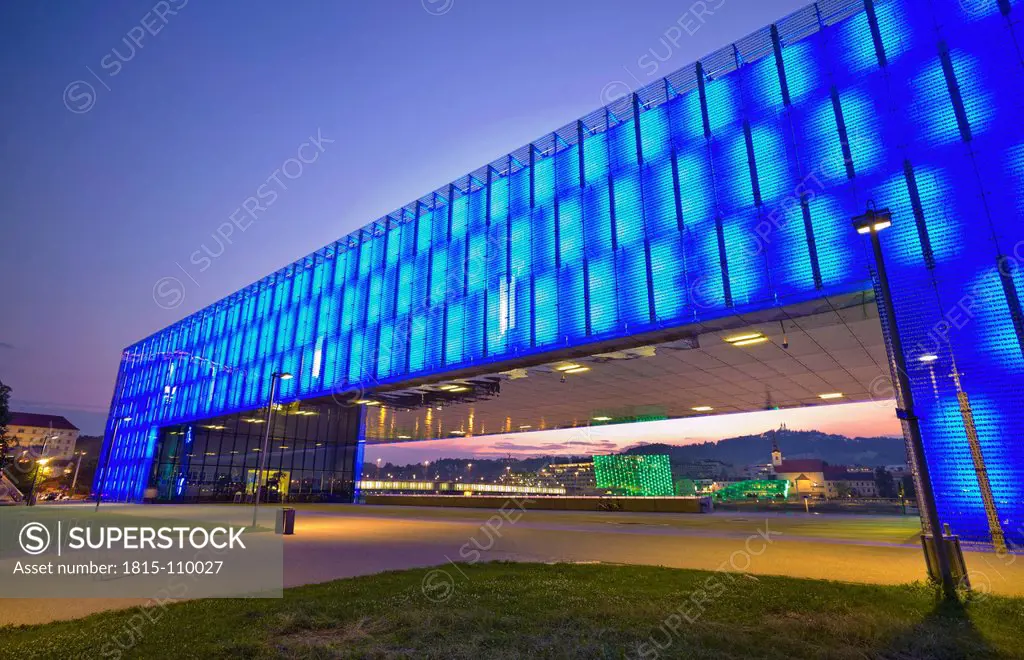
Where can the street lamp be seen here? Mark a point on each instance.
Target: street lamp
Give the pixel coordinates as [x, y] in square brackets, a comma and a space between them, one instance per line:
[274, 377]
[31, 501]
[872, 222]
[42, 460]
[106, 462]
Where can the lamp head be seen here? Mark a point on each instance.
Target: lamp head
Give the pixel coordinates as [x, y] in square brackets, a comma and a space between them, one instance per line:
[283, 375]
[873, 220]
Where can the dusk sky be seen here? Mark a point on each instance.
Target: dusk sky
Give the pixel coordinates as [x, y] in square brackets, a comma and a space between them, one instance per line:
[118, 171]
[872, 418]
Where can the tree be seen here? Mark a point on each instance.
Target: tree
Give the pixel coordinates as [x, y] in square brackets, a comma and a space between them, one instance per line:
[884, 482]
[5, 418]
[908, 487]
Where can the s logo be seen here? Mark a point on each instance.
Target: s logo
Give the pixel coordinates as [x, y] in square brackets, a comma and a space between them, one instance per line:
[34, 538]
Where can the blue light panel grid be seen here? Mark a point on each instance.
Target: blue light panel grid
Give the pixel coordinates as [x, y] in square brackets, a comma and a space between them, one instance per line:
[713, 212]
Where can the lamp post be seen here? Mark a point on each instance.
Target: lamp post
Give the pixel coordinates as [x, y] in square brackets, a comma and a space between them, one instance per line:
[78, 465]
[106, 461]
[872, 222]
[42, 460]
[31, 500]
[274, 377]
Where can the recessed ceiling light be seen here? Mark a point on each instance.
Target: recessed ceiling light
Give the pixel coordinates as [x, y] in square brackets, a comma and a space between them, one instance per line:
[576, 370]
[702, 408]
[459, 388]
[831, 395]
[524, 426]
[602, 418]
[567, 367]
[449, 387]
[366, 402]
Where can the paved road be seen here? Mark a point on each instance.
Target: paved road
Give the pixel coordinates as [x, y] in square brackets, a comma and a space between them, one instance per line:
[339, 541]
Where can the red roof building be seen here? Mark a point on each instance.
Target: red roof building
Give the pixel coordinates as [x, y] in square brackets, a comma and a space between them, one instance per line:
[39, 420]
[50, 436]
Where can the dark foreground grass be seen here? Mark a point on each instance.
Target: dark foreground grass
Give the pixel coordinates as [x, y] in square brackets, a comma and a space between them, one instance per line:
[548, 611]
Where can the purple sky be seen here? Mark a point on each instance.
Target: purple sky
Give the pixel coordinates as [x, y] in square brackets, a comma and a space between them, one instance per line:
[107, 190]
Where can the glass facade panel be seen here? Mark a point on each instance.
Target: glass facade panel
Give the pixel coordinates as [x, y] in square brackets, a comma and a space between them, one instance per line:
[311, 451]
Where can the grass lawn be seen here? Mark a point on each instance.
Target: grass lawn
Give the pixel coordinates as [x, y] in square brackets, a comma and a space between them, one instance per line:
[501, 610]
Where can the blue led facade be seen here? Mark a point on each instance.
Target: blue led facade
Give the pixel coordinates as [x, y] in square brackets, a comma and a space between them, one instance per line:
[728, 186]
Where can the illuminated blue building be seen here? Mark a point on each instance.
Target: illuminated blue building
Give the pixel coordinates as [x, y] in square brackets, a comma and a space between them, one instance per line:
[722, 191]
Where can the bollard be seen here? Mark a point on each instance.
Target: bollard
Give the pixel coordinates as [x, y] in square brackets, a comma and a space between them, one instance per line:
[285, 523]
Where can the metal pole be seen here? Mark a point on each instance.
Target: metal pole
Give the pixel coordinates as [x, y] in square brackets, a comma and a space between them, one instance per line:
[931, 514]
[263, 450]
[106, 462]
[30, 501]
[78, 465]
[35, 473]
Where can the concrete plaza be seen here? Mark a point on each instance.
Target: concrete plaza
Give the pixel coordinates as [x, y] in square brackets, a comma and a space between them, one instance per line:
[339, 541]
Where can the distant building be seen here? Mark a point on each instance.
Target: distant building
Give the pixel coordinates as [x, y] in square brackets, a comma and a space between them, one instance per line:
[898, 471]
[576, 478]
[47, 436]
[644, 475]
[705, 468]
[759, 471]
[841, 481]
[451, 488]
[806, 476]
[816, 478]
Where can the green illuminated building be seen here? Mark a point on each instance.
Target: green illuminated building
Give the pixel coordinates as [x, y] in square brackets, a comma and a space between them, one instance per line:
[649, 475]
[754, 489]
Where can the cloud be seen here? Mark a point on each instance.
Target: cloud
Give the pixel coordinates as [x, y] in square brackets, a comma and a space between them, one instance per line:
[518, 447]
[554, 446]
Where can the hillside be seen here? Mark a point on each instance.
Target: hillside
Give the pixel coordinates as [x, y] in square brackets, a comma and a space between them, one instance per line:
[744, 450]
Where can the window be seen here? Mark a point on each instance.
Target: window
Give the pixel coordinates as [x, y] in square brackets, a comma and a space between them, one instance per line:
[318, 356]
[507, 305]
